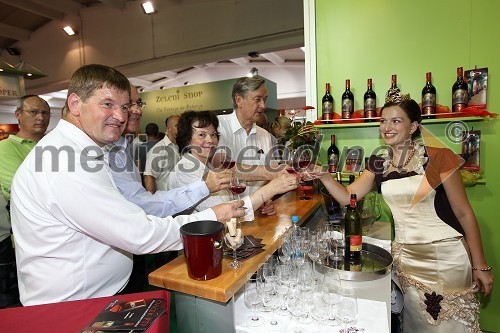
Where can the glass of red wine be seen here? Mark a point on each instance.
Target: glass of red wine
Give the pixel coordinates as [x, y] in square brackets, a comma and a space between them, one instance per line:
[237, 186]
[301, 163]
[226, 161]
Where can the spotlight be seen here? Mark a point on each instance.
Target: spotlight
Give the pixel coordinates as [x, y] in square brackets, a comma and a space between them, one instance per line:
[253, 72]
[69, 30]
[147, 7]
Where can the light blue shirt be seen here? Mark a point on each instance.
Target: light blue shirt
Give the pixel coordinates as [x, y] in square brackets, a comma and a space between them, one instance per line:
[128, 180]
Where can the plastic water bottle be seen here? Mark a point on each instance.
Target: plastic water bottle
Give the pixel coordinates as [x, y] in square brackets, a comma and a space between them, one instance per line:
[295, 225]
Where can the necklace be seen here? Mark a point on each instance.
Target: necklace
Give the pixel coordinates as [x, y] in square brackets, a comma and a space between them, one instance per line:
[412, 152]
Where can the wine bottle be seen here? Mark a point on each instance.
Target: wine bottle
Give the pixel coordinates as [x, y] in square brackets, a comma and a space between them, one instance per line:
[333, 156]
[347, 101]
[394, 87]
[327, 106]
[460, 93]
[369, 106]
[428, 98]
[354, 264]
[353, 232]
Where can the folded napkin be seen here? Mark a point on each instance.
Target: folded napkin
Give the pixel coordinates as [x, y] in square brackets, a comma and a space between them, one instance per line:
[251, 246]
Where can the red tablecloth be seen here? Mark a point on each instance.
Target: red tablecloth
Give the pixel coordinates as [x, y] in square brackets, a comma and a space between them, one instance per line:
[73, 316]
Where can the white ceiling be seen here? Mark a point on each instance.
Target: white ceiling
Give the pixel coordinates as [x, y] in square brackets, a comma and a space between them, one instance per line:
[21, 19]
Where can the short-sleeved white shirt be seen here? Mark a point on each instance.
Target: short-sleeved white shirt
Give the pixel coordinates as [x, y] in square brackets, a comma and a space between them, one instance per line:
[160, 160]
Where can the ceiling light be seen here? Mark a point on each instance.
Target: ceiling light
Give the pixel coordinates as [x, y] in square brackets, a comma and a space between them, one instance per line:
[147, 7]
[253, 72]
[69, 30]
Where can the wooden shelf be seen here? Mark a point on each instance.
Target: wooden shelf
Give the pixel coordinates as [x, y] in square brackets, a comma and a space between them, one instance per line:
[355, 123]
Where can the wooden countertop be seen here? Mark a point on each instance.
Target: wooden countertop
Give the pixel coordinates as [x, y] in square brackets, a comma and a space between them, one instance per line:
[174, 275]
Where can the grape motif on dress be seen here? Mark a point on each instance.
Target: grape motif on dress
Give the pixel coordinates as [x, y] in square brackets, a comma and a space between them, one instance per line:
[433, 301]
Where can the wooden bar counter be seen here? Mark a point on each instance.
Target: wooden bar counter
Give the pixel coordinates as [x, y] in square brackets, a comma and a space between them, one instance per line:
[208, 306]
[174, 275]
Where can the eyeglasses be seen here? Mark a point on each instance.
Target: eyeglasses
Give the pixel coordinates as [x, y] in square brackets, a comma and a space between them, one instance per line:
[35, 113]
[139, 104]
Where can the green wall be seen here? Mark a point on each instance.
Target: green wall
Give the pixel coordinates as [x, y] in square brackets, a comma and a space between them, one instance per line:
[362, 39]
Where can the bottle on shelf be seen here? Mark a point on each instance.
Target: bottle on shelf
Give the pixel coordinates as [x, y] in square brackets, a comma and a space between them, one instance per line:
[327, 106]
[347, 101]
[460, 92]
[333, 156]
[394, 86]
[353, 231]
[428, 98]
[369, 105]
[352, 178]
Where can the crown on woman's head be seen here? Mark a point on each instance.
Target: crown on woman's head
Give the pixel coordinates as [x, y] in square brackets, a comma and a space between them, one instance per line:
[394, 95]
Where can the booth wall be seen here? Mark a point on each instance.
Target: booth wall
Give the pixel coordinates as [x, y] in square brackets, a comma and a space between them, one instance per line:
[363, 39]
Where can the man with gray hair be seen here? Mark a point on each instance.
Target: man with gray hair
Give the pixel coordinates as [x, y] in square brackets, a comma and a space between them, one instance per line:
[249, 144]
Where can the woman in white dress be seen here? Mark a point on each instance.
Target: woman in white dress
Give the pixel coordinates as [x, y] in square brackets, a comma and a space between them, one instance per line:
[437, 249]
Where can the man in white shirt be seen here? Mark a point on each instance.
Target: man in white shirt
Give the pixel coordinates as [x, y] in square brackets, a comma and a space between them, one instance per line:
[162, 158]
[74, 231]
[249, 144]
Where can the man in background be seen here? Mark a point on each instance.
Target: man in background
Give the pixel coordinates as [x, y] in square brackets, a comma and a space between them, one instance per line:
[33, 115]
[141, 150]
[162, 158]
[249, 143]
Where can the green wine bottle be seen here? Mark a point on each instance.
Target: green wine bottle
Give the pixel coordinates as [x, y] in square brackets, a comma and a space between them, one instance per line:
[353, 232]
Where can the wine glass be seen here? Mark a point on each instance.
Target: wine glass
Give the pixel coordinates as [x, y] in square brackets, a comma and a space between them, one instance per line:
[233, 237]
[313, 252]
[272, 299]
[337, 243]
[295, 304]
[347, 309]
[266, 270]
[283, 272]
[237, 186]
[225, 159]
[318, 308]
[273, 261]
[331, 280]
[253, 297]
[301, 164]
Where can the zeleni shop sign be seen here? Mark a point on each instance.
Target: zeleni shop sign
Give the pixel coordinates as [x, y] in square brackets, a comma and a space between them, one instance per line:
[214, 96]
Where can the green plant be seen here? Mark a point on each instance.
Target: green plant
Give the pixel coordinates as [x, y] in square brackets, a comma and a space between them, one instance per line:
[300, 134]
